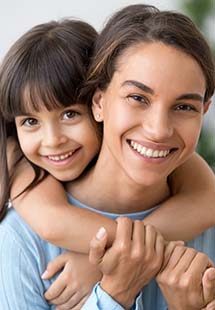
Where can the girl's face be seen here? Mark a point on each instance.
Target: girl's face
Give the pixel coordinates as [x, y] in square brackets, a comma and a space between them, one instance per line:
[62, 141]
[152, 111]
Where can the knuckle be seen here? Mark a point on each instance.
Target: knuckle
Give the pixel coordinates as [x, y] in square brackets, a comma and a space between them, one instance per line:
[172, 280]
[122, 247]
[149, 227]
[159, 237]
[202, 256]
[138, 254]
[185, 281]
[66, 278]
[124, 220]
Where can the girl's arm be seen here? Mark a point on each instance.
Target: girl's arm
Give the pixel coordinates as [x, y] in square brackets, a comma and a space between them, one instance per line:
[46, 209]
[185, 215]
[191, 208]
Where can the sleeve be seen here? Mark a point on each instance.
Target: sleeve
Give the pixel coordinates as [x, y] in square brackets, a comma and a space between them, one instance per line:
[20, 283]
[100, 300]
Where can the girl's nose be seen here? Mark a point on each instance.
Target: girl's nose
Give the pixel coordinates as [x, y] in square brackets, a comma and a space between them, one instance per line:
[53, 137]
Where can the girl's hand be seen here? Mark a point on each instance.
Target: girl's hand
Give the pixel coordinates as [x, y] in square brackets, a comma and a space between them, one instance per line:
[72, 287]
[186, 279]
[133, 260]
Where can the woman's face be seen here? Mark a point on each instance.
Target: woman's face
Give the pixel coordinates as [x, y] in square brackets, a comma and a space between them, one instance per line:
[152, 111]
[62, 141]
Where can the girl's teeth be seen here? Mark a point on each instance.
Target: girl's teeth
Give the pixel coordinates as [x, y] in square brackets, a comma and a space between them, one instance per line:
[147, 152]
[60, 157]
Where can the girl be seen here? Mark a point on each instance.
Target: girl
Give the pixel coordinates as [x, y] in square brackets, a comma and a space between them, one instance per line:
[72, 39]
[77, 116]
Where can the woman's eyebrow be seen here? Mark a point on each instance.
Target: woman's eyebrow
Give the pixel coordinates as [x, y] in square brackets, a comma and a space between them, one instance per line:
[138, 84]
[191, 96]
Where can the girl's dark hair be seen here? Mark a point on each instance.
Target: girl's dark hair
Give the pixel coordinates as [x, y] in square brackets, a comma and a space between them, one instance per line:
[139, 23]
[45, 67]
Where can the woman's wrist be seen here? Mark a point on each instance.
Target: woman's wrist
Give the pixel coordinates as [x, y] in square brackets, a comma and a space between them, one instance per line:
[121, 295]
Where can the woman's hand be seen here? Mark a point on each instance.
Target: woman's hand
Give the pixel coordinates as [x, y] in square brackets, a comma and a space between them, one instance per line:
[133, 260]
[186, 279]
[74, 284]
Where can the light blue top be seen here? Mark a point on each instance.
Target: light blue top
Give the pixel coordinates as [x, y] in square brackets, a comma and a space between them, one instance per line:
[24, 257]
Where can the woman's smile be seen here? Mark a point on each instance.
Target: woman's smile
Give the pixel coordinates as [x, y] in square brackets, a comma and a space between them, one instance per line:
[148, 109]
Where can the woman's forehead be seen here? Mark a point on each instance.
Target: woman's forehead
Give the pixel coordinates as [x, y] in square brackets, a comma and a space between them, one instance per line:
[157, 64]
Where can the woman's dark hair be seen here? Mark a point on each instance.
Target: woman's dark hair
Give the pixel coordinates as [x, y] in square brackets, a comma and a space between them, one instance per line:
[45, 67]
[139, 23]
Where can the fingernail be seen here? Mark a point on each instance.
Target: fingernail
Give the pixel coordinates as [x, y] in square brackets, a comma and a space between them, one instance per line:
[101, 233]
[45, 275]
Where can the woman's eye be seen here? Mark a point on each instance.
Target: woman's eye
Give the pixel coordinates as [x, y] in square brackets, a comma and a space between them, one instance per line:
[185, 107]
[138, 99]
[70, 114]
[30, 122]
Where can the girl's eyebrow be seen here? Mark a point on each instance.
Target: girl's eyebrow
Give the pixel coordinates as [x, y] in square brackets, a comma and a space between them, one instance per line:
[139, 85]
[28, 113]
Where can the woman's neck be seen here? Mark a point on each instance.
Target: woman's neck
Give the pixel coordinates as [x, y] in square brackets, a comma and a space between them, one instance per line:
[106, 187]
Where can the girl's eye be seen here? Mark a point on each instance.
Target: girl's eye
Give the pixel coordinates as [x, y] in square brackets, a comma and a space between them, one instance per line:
[70, 114]
[185, 107]
[138, 99]
[30, 122]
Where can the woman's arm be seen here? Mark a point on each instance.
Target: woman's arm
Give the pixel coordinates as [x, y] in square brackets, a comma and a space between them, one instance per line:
[191, 209]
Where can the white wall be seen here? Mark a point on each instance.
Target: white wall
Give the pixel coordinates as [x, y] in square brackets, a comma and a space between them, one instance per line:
[17, 16]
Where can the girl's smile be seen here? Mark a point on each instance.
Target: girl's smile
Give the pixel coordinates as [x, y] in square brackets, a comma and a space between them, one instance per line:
[62, 141]
[62, 159]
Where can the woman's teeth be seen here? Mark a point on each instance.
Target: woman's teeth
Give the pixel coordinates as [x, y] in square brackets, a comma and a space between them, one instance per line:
[60, 157]
[147, 152]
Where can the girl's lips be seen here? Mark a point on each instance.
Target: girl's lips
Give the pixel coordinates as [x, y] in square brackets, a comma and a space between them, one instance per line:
[62, 159]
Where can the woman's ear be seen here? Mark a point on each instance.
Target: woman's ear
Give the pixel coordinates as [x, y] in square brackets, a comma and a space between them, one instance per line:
[97, 106]
[207, 105]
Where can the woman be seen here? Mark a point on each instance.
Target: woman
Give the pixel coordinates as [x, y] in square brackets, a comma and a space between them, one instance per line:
[153, 77]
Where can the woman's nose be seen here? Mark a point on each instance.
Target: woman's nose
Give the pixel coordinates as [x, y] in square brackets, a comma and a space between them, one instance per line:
[158, 126]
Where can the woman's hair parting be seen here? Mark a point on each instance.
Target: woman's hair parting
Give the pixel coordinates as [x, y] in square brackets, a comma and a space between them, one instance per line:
[46, 67]
[140, 23]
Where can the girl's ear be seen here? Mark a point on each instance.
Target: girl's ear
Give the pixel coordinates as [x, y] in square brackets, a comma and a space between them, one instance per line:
[207, 105]
[97, 106]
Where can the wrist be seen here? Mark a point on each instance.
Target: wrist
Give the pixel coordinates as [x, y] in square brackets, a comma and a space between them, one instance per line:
[121, 295]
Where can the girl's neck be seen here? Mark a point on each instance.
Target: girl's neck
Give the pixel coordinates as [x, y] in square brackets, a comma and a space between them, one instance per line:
[106, 187]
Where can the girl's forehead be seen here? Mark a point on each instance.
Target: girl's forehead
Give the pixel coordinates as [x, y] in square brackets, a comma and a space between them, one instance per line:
[33, 100]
